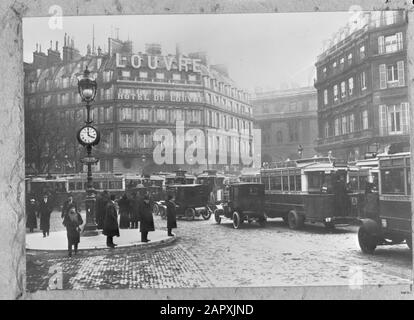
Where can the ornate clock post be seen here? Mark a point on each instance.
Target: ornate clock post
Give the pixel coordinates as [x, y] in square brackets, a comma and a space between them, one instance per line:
[88, 136]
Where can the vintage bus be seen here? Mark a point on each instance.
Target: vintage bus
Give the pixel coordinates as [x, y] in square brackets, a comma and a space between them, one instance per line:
[309, 190]
[362, 172]
[215, 183]
[392, 223]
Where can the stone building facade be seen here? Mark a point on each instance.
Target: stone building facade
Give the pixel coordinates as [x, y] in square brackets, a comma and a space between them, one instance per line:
[362, 88]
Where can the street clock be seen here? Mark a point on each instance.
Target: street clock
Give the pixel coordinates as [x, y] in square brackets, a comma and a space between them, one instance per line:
[88, 136]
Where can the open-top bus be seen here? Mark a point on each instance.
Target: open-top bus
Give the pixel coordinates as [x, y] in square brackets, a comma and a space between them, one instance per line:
[309, 190]
[392, 224]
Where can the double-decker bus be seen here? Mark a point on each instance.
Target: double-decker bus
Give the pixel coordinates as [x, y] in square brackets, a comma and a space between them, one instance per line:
[309, 190]
[392, 223]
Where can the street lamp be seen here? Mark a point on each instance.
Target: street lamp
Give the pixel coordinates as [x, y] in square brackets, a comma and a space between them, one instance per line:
[88, 136]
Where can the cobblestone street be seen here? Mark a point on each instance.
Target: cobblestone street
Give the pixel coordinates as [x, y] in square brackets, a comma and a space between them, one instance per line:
[210, 255]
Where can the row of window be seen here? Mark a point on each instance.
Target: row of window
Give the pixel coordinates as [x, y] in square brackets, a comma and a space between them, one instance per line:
[346, 124]
[131, 140]
[227, 122]
[163, 115]
[390, 75]
[226, 89]
[292, 106]
[282, 182]
[159, 76]
[339, 64]
[229, 144]
[344, 90]
[393, 119]
[230, 105]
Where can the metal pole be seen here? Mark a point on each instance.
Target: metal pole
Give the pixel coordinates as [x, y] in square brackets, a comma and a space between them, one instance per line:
[90, 228]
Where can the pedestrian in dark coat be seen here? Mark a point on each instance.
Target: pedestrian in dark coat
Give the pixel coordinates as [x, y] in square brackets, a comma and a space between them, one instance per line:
[171, 215]
[45, 210]
[31, 220]
[371, 206]
[134, 213]
[67, 205]
[124, 212]
[110, 228]
[101, 202]
[147, 221]
[72, 221]
[341, 198]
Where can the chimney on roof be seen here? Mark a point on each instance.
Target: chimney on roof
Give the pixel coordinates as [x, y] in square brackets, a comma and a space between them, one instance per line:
[53, 56]
[70, 53]
[57, 45]
[39, 58]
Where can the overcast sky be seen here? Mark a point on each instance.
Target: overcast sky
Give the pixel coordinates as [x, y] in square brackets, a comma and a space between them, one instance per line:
[260, 50]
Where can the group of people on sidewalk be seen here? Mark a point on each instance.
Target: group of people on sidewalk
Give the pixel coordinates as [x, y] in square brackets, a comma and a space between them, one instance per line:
[131, 211]
[42, 211]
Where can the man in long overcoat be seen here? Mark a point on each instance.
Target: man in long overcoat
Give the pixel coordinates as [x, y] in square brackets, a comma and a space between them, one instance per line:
[45, 209]
[147, 221]
[101, 202]
[110, 228]
[124, 211]
[341, 198]
[31, 220]
[134, 213]
[171, 215]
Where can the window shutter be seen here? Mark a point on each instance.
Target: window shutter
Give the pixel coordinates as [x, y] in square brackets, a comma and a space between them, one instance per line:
[405, 117]
[400, 68]
[383, 119]
[383, 76]
[381, 45]
[400, 43]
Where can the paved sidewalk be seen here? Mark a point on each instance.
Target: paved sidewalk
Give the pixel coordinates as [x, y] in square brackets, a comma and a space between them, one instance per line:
[57, 241]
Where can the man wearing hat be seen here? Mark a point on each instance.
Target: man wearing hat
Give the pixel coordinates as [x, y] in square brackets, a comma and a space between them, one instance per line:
[45, 209]
[147, 221]
[67, 205]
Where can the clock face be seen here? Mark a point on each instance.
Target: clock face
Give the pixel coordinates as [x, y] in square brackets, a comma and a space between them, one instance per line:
[88, 135]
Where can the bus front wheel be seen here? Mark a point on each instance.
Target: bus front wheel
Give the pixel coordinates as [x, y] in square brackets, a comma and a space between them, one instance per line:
[295, 220]
[236, 220]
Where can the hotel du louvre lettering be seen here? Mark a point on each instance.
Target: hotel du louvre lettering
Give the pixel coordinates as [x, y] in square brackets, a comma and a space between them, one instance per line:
[158, 95]
[169, 62]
